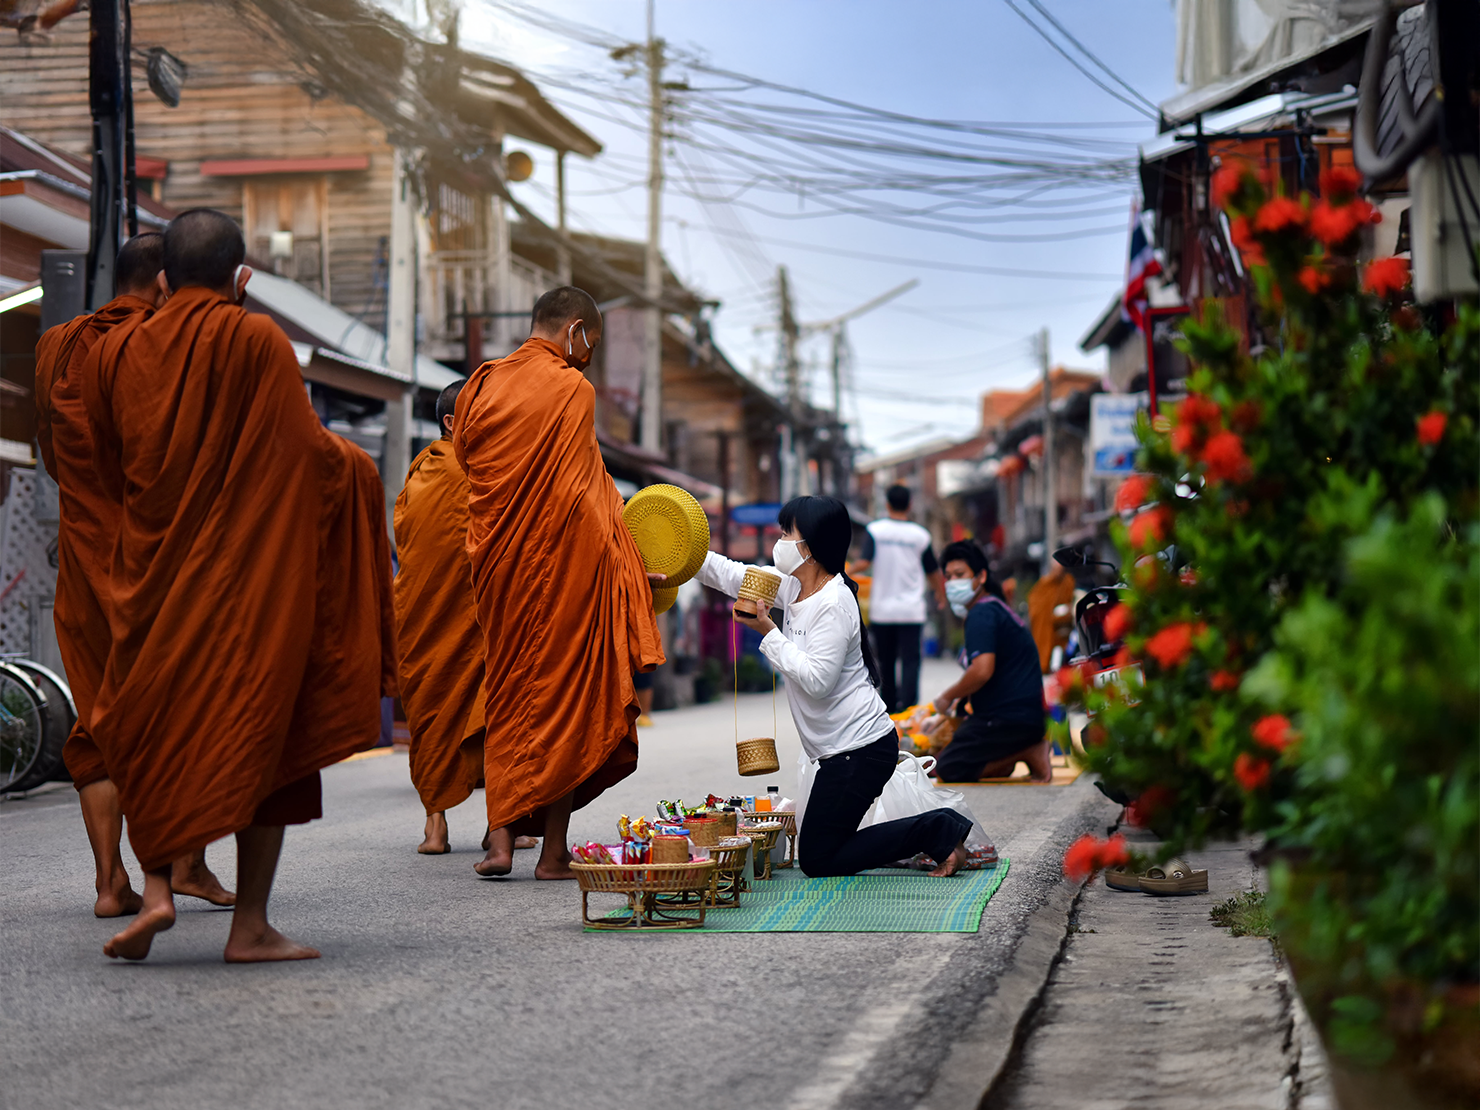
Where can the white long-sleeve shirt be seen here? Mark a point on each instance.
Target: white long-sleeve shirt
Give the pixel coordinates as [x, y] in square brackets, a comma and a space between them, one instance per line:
[819, 648]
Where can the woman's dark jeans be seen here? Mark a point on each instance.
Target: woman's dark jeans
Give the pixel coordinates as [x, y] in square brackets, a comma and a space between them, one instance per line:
[845, 786]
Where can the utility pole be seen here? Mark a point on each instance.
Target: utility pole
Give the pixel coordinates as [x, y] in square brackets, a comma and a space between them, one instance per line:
[400, 330]
[562, 252]
[110, 95]
[794, 474]
[651, 432]
[1050, 487]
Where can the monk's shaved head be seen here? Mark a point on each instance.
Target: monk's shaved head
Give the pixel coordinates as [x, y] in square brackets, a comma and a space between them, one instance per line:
[139, 263]
[202, 247]
[447, 403]
[554, 311]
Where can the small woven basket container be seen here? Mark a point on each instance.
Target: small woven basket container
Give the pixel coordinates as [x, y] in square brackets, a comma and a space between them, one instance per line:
[670, 849]
[757, 756]
[703, 831]
[729, 821]
[760, 586]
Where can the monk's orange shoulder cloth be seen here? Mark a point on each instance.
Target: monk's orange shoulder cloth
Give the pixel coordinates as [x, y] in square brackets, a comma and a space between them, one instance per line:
[563, 601]
[89, 517]
[437, 634]
[249, 586]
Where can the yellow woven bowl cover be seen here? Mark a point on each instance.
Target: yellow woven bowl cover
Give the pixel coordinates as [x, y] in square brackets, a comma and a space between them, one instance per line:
[671, 531]
[663, 599]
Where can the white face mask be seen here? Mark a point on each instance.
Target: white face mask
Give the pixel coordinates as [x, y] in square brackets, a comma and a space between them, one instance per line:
[959, 592]
[787, 556]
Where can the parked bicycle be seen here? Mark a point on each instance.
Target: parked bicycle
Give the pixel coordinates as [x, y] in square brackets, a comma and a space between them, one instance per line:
[36, 715]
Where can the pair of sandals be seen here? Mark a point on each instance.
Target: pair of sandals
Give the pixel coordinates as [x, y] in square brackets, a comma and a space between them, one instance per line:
[1176, 876]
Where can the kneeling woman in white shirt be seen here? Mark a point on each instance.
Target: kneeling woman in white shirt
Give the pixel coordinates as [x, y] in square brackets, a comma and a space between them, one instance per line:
[831, 685]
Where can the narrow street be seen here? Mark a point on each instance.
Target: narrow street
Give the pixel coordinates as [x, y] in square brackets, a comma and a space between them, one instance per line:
[438, 989]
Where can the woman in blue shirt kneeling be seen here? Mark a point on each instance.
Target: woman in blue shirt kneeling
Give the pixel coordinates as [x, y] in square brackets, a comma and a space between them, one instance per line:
[831, 685]
[1007, 723]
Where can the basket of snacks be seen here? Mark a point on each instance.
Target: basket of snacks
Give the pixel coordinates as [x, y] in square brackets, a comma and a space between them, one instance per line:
[788, 822]
[728, 857]
[644, 886]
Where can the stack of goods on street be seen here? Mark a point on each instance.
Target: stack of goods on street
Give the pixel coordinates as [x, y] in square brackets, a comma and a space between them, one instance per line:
[923, 731]
[689, 856]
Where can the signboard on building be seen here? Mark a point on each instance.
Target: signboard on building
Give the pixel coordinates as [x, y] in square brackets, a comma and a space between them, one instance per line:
[1112, 432]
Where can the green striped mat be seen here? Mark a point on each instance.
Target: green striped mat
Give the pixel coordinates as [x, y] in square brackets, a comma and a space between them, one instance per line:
[893, 901]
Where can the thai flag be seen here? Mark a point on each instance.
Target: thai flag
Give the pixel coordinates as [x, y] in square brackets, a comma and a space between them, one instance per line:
[1142, 264]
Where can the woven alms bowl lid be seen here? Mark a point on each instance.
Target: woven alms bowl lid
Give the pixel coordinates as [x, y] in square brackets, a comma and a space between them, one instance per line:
[663, 599]
[671, 531]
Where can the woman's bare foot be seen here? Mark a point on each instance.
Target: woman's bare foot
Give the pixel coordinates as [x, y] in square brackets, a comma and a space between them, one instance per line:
[190, 875]
[133, 943]
[500, 858]
[524, 842]
[264, 945]
[434, 839]
[116, 898]
[1039, 759]
[953, 862]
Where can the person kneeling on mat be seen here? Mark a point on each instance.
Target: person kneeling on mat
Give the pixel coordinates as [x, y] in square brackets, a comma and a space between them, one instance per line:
[1007, 723]
[832, 689]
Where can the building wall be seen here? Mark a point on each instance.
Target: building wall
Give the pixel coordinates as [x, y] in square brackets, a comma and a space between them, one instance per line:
[242, 98]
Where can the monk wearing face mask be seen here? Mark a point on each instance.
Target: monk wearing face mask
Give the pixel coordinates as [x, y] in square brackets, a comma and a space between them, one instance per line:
[564, 604]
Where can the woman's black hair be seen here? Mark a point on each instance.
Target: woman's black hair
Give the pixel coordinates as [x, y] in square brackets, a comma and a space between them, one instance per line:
[965, 551]
[827, 529]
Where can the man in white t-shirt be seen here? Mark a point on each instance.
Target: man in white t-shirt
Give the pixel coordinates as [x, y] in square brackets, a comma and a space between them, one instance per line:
[896, 551]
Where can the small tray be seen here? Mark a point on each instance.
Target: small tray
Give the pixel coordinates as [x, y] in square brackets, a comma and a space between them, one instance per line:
[647, 887]
[788, 821]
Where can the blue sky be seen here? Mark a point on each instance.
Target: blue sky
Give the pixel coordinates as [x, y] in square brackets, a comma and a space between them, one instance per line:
[920, 362]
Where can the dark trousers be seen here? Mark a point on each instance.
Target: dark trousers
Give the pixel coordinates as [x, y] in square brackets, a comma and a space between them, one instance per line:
[898, 644]
[979, 742]
[845, 786]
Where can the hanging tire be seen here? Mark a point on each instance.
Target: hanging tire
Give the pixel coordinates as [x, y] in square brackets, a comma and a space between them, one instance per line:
[30, 749]
[61, 712]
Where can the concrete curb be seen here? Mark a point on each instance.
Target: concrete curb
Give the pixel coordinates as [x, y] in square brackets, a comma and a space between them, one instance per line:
[978, 1060]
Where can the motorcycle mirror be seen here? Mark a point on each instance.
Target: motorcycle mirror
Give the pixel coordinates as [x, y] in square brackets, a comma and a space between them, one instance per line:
[1069, 557]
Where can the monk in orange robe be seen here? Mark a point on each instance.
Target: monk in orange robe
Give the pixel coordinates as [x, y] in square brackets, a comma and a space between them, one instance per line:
[249, 587]
[437, 635]
[89, 523]
[564, 603]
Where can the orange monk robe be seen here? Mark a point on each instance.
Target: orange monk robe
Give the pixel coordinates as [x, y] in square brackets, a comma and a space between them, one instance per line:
[89, 516]
[249, 587]
[437, 634]
[563, 601]
[1047, 594]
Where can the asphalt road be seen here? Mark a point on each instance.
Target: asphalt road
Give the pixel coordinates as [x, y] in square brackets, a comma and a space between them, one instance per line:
[437, 989]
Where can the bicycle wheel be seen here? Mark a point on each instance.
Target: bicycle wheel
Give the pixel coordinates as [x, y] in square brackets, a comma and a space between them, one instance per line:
[25, 760]
[61, 715]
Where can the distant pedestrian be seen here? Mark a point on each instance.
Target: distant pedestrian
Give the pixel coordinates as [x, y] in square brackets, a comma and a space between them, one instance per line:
[896, 551]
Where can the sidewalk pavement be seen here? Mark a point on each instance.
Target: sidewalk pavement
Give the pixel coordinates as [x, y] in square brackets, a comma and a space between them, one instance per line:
[1151, 1005]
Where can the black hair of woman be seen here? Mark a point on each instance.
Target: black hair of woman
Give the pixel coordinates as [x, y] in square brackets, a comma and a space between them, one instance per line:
[827, 529]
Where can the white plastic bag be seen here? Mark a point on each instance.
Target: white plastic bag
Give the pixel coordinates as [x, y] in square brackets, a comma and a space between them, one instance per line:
[910, 792]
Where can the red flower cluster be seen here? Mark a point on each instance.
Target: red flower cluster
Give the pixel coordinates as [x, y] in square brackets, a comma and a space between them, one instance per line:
[1280, 214]
[1224, 458]
[1143, 810]
[1251, 771]
[1431, 427]
[1385, 276]
[1117, 622]
[1151, 528]
[1196, 417]
[1313, 278]
[1340, 182]
[1188, 577]
[1132, 493]
[1227, 180]
[1173, 644]
[1224, 681]
[1087, 855]
[1334, 224]
[1243, 238]
[1273, 732]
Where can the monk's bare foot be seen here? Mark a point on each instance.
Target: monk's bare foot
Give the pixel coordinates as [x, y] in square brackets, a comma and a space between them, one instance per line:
[117, 900]
[500, 858]
[952, 863]
[265, 946]
[486, 839]
[133, 943]
[558, 870]
[522, 843]
[190, 875]
[434, 840]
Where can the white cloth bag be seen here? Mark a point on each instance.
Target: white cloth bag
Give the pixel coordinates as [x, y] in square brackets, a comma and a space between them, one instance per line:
[909, 792]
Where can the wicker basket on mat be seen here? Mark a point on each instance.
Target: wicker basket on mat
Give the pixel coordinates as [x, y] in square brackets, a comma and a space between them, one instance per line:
[670, 849]
[703, 831]
[788, 821]
[728, 821]
[757, 756]
[644, 886]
